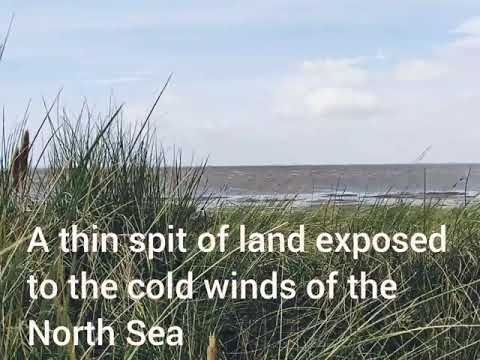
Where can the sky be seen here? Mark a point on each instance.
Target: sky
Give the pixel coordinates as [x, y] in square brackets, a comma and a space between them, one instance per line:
[260, 82]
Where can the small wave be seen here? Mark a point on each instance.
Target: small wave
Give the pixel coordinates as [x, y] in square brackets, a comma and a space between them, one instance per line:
[449, 198]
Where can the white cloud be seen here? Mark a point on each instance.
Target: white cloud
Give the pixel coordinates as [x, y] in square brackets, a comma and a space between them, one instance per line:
[389, 111]
[327, 88]
[340, 101]
[470, 27]
[334, 72]
[419, 70]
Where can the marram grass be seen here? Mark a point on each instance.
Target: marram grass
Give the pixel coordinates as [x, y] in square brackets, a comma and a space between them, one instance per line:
[120, 180]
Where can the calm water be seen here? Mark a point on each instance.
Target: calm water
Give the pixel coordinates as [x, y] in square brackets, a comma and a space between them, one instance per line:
[313, 185]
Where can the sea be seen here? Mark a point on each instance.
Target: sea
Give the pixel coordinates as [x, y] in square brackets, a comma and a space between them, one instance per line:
[313, 185]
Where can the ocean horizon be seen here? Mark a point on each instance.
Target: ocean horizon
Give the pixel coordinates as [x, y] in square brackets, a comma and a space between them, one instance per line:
[448, 184]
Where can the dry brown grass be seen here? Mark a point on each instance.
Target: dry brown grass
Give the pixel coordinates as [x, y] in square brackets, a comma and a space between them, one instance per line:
[20, 162]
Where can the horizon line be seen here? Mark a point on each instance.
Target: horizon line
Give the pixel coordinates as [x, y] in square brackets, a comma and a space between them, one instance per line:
[346, 164]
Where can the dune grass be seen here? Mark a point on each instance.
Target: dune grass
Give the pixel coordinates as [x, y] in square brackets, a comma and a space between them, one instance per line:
[119, 179]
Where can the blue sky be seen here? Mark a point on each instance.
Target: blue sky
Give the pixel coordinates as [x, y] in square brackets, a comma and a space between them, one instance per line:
[261, 82]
